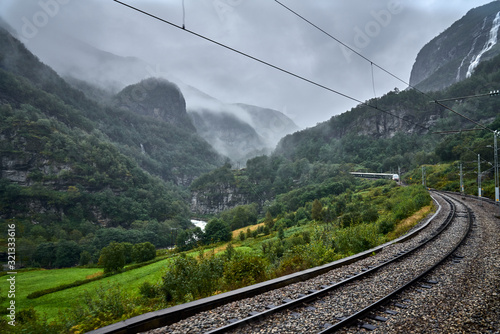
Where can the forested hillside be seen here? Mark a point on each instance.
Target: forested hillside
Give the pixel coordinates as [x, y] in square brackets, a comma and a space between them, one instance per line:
[71, 166]
[176, 155]
[381, 142]
[399, 135]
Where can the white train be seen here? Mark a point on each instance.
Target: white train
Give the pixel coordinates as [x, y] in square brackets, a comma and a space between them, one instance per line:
[394, 177]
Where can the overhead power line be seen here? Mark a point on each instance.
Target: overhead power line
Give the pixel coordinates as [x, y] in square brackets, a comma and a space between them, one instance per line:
[342, 43]
[383, 69]
[456, 131]
[491, 93]
[467, 118]
[237, 51]
[183, 28]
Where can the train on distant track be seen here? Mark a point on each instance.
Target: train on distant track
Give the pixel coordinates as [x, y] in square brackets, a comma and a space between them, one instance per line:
[387, 176]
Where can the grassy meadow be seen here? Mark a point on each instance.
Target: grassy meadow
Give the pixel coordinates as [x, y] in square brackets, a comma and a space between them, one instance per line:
[283, 248]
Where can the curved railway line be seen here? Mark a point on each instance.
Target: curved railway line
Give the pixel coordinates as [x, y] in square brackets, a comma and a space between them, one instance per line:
[379, 290]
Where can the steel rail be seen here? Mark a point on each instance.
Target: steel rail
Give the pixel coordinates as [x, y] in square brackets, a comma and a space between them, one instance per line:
[290, 304]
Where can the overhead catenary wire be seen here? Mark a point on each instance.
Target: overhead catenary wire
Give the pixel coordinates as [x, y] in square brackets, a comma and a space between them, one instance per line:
[238, 51]
[342, 43]
[491, 93]
[467, 118]
[265, 62]
[378, 66]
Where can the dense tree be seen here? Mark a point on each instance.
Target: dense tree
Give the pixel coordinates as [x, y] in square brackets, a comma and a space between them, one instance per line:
[281, 232]
[216, 230]
[244, 269]
[128, 251]
[85, 258]
[188, 239]
[143, 252]
[316, 212]
[25, 250]
[188, 278]
[241, 216]
[67, 254]
[45, 255]
[112, 257]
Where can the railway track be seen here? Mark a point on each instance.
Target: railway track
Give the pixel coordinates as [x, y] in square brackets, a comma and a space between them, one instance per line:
[421, 279]
[342, 303]
[360, 296]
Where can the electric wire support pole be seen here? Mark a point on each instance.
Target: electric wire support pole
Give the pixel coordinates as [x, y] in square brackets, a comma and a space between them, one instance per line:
[461, 181]
[423, 176]
[479, 179]
[496, 133]
[399, 175]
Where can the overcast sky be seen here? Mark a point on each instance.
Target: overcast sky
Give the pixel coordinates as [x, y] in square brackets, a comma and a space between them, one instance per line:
[388, 32]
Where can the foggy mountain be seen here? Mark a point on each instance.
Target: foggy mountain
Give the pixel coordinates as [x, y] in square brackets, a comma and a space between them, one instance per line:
[461, 61]
[237, 131]
[72, 57]
[454, 54]
[156, 98]
[270, 124]
[65, 157]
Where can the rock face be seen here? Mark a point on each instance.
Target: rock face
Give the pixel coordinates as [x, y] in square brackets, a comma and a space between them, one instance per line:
[226, 198]
[25, 165]
[454, 54]
[217, 191]
[386, 126]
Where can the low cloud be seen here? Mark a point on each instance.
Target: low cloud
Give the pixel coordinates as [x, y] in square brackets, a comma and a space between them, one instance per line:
[389, 35]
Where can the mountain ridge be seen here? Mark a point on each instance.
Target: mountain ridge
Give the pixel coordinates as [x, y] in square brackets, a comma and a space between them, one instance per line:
[236, 130]
[101, 75]
[157, 98]
[173, 161]
[453, 55]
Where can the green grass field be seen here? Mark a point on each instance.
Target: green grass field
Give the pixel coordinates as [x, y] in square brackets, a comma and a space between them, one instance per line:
[53, 303]
[58, 302]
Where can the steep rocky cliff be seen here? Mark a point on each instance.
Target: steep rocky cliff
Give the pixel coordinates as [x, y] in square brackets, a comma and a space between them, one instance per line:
[223, 198]
[25, 165]
[398, 112]
[217, 191]
[454, 54]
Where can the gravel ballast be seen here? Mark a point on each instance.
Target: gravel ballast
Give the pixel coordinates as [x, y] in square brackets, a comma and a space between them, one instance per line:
[465, 299]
